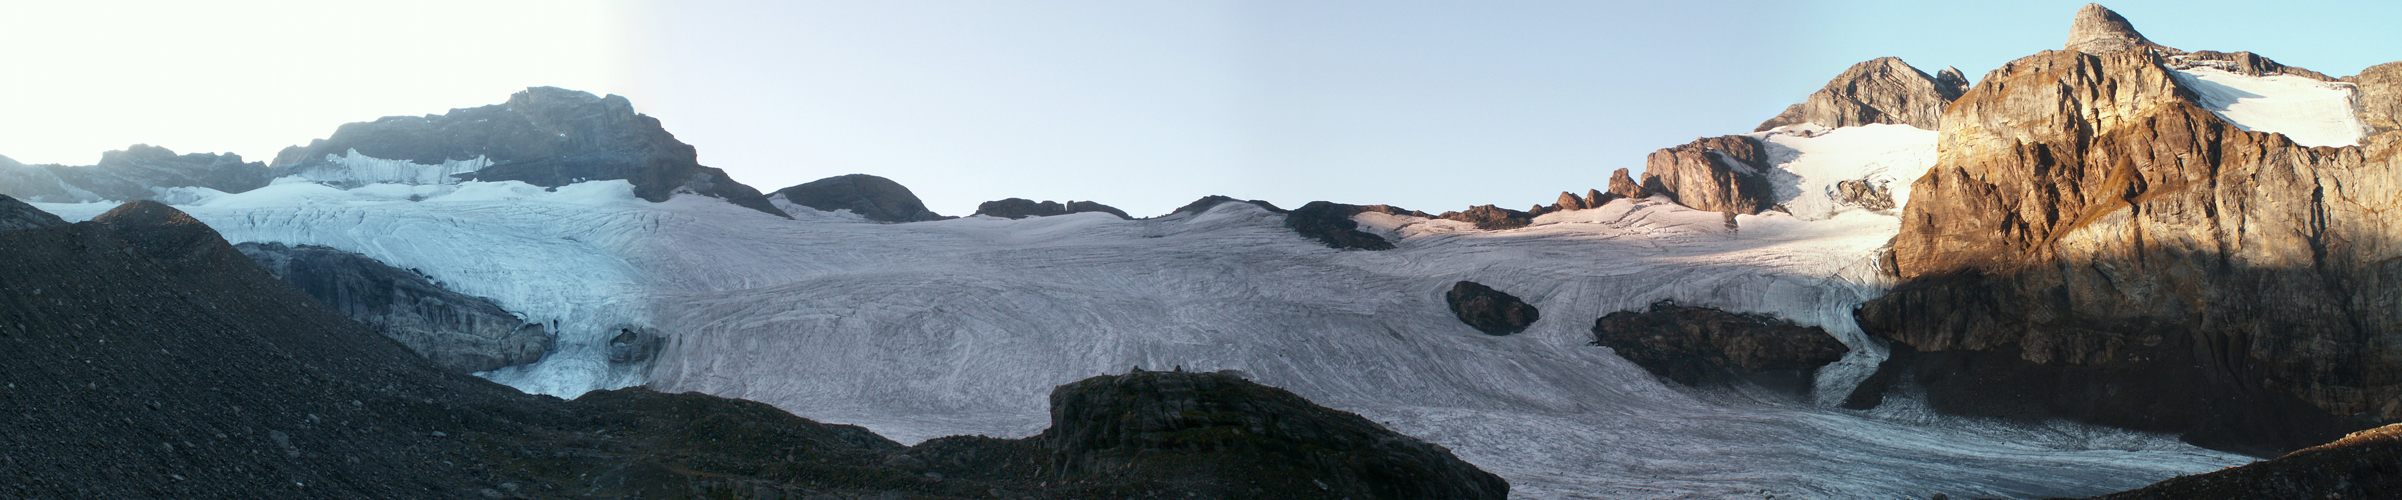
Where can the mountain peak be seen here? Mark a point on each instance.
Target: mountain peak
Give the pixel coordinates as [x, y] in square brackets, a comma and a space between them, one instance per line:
[2100, 31]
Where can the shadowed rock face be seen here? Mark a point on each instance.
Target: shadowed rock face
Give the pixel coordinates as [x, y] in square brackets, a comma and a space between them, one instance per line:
[544, 136]
[1705, 347]
[1020, 208]
[1330, 223]
[455, 331]
[139, 172]
[2089, 228]
[1721, 174]
[15, 215]
[1218, 435]
[2365, 464]
[876, 198]
[1491, 311]
[1881, 90]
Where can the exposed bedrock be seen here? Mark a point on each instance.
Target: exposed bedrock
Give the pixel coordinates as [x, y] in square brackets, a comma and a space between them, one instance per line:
[1624, 186]
[545, 136]
[1212, 201]
[1881, 90]
[876, 198]
[138, 172]
[1330, 223]
[1722, 174]
[1864, 194]
[1020, 208]
[455, 331]
[2365, 464]
[1704, 347]
[2098, 246]
[2380, 99]
[1491, 218]
[1491, 311]
[15, 215]
[1218, 435]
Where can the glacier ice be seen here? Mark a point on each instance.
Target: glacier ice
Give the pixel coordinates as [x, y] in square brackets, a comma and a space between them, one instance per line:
[2311, 112]
[963, 326]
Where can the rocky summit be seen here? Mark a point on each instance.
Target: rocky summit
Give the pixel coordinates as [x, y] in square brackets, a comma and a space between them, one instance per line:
[1881, 90]
[876, 198]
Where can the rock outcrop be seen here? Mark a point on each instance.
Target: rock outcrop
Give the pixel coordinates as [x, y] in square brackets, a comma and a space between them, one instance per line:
[2365, 464]
[2097, 30]
[1212, 201]
[1020, 208]
[544, 136]
[1881, 90]
[876, 198]
[1330, 223]
[149, 357]
[15, 215]
[138, 172]
[1722, 174]
[1492, 218]
[2380, 100]
[1217, 435]
[1625, 186]
[1864, 194]
[2096, 245]
[1491, 311]
[455, 331]
[1704, 347]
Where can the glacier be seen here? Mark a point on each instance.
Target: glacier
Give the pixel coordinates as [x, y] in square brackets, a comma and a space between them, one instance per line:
[963, 326]
[2311, 112]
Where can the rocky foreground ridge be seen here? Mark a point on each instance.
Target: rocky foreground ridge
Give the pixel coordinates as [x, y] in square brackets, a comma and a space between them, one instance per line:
[2095, 243]
[149, 358]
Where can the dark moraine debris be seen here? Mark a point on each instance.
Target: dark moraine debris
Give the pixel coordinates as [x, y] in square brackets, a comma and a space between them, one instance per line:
[1020, 208]
[1704, 347]
[459, 332]
[1491, 311]
[2365, 464]
[16, 215]
[876, 198]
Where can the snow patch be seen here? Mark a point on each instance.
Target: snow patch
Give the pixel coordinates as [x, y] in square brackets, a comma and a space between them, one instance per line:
[1887, 155]
[2311, 112]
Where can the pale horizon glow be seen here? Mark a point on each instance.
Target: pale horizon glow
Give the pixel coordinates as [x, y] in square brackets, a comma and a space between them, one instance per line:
[1144, 106]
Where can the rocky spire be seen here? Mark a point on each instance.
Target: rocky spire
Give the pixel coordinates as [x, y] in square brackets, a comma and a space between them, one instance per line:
[2100, 31]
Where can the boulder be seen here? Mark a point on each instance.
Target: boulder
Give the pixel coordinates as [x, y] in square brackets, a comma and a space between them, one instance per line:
[1881, 90]
[2094, 244]
[1704, 347]
[455, 331]
[1491, 311]
[876, 198]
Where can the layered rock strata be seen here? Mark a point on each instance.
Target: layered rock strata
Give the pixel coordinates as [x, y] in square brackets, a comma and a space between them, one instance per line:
[876, 198]
[544, 136]
[455, 331]
[1704, 347]
[2094, 244]
[1881, 90]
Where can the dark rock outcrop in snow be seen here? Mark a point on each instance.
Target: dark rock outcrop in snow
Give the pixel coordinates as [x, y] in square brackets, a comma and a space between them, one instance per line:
[1699, 346]
[138, 172]
[1722, 174]
[1212, 201]
[455, 331]
[2094, 244]
[15, 215]
[1491, 218]
[2365, 464]
[147, 357]
[876, 198]
[1330, 223]
[1491, 311]
[1020, 208]
[1863, 194]
[544, 136]
[1881, 90]
[1220, 436]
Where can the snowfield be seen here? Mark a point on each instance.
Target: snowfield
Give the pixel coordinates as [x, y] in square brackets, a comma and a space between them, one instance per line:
[963, 326]
[2311, 112]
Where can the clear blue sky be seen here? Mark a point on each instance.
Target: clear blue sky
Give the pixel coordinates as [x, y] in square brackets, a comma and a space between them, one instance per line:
[1143, 105]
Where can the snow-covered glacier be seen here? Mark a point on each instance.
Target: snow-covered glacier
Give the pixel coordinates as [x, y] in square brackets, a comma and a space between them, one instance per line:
[963, 326]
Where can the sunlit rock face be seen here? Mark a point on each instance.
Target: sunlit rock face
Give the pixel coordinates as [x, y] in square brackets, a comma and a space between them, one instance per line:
[2101, 240]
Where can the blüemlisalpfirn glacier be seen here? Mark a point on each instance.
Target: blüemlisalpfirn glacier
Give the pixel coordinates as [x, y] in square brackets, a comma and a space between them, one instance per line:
[962, 326]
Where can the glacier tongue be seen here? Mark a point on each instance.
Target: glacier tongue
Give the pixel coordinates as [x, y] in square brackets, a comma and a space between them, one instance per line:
[963, 326]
